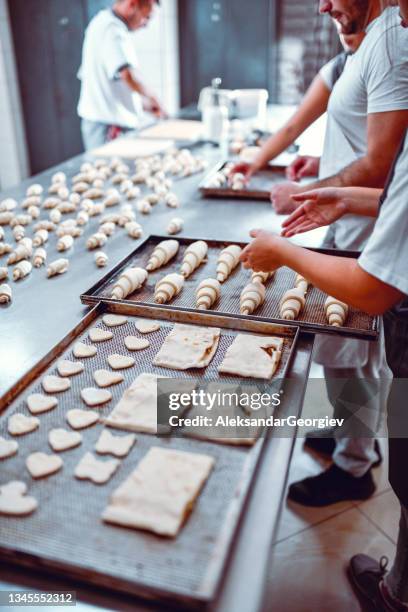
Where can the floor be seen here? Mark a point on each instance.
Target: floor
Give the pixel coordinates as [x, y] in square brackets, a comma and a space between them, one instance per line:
[314, 545]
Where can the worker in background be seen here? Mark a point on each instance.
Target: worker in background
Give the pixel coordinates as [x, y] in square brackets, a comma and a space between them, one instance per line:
[113, 95]
[313, 106]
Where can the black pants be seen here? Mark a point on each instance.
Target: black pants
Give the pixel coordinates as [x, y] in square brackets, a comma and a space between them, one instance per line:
[396, 341]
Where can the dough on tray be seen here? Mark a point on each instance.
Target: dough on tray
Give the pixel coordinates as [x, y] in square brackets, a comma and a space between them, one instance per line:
[95, 470]
[82, 350]
[20, 424]
[96, 334]
[252, 356]
[14, 501]
[109, 444]
[38, 403]
[55, 384]
[8, 448]
[62, 439]
[95, 397]
[160, 493]
[133, 343]
[79, 419]
[120, 362]
[41, 465]
[188, 346]
[106, 378]
[112, 320]
[137, 408]
[69, 368]
[145, 326]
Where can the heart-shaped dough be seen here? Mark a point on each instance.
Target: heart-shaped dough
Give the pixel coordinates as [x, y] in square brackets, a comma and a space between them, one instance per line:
[119, 362]
[82, 350]
[119, 446]
[69, 368]
[96, 334]
[144, 326]
[38, 403]
[14, 501]
[95, 397]
[79, 419]
[55, 384]
[41, 465]
[99, 472]
[133, 343]
[62, 439]
[20, 424]
[112, 320]
[106, 378]
[8, 448]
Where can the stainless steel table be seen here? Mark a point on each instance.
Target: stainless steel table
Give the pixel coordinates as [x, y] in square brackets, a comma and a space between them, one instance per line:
[43, 311]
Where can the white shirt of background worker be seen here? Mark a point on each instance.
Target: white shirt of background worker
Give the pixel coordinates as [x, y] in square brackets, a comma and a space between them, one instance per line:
[112, 92]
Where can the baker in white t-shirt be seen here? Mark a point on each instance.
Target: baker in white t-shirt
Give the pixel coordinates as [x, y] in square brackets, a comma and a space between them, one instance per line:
[112, 93]
[367, 116]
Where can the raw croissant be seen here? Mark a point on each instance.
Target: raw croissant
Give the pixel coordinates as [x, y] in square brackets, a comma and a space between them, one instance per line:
[143, 207]
[82, 218]
[133, 229]
[336, 311]
[252, 297]
[94, 193]
[107, 228]
[129, 281]
[22, 269]
[175, 226]
[24, 250]
[208, 291]
[292, 303]
[51, 203]
[59, 266]
[18, 232]
[227, 261]
[112, 199]
[261, 277]
[34, 212]
[164, 251]
[301, 283]
[193, 257]
[168, 287]
[20, 220]
[65, 243]
[40, 256]
[48, 225]
[5, 248]
[172, 200]
[101, 259]
[34, 190]
[5, 294]
[40, 238]
[6, 217]
[95, 241]
[3, 273]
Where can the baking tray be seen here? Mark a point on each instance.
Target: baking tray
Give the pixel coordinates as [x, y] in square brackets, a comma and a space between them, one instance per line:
[259, 187]
[358, 324]
[66, 536]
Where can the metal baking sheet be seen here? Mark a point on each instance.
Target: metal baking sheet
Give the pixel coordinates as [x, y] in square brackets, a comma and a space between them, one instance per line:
[312, 318]
[258, 189]
[65, 535]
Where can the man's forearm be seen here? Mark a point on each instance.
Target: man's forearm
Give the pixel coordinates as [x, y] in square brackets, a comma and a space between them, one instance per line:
[363, 172]
[362, 201]
[133, 83]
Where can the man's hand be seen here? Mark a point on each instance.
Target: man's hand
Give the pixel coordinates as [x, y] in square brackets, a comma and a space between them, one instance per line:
[262, 254]
[247, 170]
[152, 105]
[304, 165]
[318, 208]
[281, 197]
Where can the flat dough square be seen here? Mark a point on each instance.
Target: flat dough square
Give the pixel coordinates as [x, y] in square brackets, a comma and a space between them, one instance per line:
[137, 408]
[252, 356]
[160, 493]
[188, 346]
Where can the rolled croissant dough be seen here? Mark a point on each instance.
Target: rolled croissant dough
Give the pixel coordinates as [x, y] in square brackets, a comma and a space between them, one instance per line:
[160, 492]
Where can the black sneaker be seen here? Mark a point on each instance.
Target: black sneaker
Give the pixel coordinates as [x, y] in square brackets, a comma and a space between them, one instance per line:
[323, 442]
[366, 575]
[330, 487]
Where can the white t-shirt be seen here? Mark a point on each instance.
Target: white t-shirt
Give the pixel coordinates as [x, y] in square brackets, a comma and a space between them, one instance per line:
[104, 97]
[331, 72]
[375, 80]
[386, 253]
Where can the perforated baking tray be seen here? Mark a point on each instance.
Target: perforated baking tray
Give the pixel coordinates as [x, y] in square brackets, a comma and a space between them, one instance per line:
[258, 188]
[66, 535]
[312, 318]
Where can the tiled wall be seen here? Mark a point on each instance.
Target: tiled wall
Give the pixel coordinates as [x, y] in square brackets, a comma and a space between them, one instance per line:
[13, 158]
[157, 49]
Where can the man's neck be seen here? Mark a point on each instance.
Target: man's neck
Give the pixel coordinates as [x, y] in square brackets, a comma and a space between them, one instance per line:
[119, 10]
[375, 10]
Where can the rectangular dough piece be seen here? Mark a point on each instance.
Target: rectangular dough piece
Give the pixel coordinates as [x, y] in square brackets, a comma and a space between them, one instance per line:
[137, 408]
[188, 346]
[160, 493]
[252, 356]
